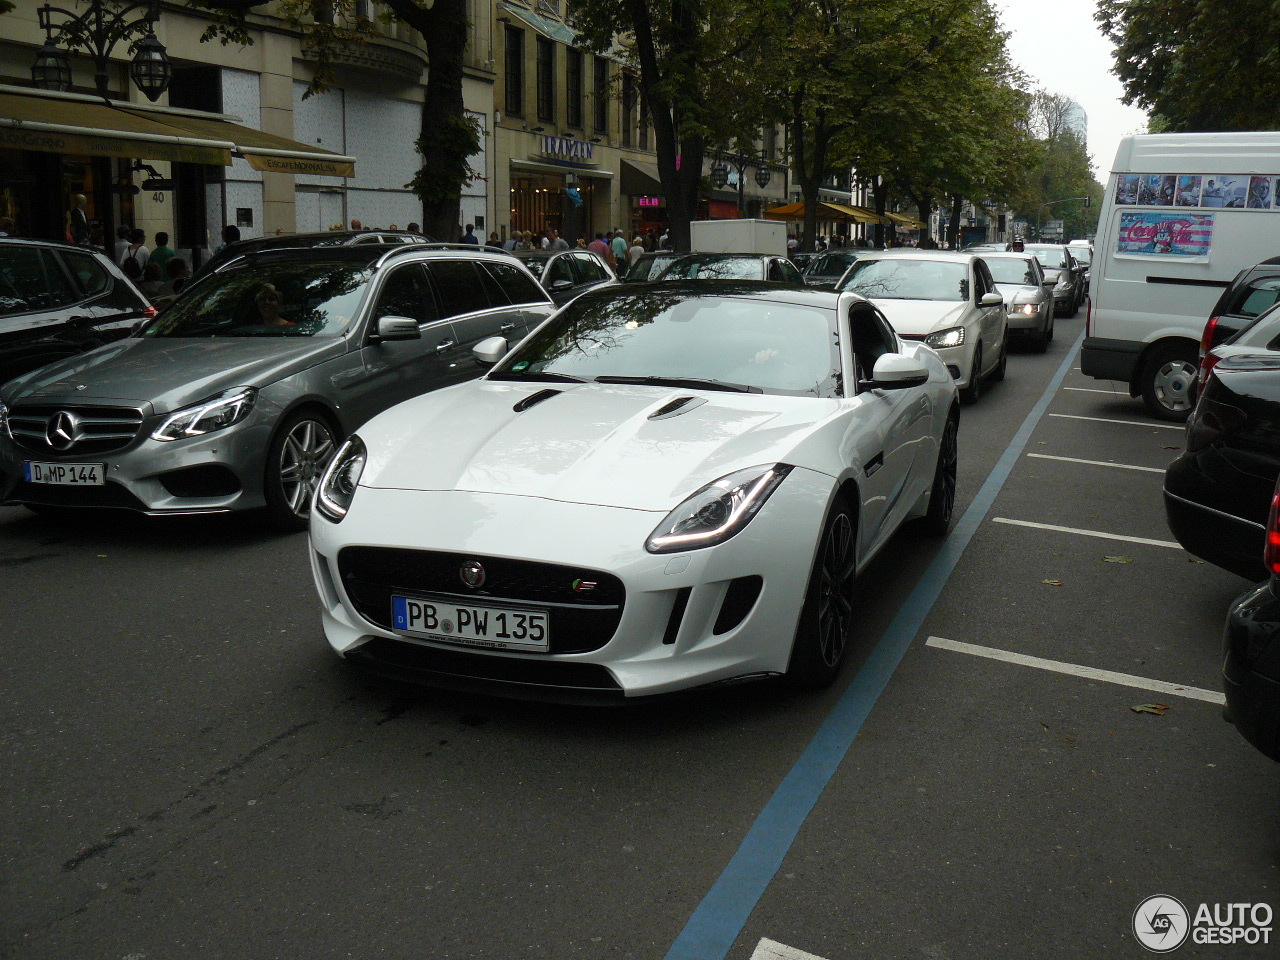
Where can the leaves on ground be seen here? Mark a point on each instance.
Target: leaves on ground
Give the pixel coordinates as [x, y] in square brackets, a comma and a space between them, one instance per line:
[1159, 709]
[1052, 583]
[1118, 559]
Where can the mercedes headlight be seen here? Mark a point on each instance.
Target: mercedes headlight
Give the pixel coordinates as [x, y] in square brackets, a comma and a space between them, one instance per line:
[951, 337]
[718, 511]
[4, 420]
[338, 485]
[216, 413]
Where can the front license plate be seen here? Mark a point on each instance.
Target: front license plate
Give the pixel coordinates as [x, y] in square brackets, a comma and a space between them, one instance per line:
[495, 628]
[65, 474]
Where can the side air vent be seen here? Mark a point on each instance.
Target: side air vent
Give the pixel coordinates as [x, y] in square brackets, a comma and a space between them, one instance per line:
[676, 407]
[738, 601]
[533, 399]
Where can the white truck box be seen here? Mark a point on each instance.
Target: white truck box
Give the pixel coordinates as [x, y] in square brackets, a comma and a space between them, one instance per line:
[738, 236]
[1182, 215]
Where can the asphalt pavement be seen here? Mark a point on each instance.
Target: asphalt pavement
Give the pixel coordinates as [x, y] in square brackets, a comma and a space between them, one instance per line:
[191, 773]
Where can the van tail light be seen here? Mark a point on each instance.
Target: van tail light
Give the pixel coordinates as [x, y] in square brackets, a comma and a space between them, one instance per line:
[1271, 556]
[1207, 358]
[150, 312]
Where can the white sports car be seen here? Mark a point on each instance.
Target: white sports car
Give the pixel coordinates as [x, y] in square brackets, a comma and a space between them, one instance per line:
[664, 486]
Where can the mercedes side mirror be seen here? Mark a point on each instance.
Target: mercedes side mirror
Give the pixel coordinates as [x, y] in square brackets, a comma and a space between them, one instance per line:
[490, 350]
[396, 328]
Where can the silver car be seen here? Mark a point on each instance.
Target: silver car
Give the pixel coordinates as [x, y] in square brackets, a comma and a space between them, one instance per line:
[1028, 296]
[238, 394]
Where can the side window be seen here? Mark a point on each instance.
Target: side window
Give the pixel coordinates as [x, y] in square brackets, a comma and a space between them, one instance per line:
[22, 283]
[985, 283]
[870, 338]
[92, 276]
[61, 290]
[775, 271]
[790, 273]
[1258, 296]
[561, 269]
[405, 294]
[590, 269]
[516, 284]
[458, 287]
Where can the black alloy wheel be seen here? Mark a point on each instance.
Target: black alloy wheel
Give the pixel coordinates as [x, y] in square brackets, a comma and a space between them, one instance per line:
[973, 392]
[942, 498]
[823, 631]
[1001, 368]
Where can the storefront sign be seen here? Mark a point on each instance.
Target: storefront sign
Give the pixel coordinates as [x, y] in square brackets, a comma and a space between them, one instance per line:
[567, 148]
[650, 202]
[18, 138]
[317, 166]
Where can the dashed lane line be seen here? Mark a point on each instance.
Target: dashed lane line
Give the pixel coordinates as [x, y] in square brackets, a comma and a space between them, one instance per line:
[1100, 534]
[768, 949]
[1110, 393]
[1127, 423]
[1077, 670]
[1096, 463]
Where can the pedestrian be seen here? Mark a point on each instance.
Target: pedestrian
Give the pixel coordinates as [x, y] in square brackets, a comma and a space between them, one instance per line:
[153, 284]
[558, 242]
[136, 252]
[79, 221]
[512, 241]
[163, 253]
[179, 273]
[618, 247]
[494, 243]
[355, 225]
[122, 242]
[599, 246]
[230, 234]
[470, 235]
[1017, 246]
[635, 251]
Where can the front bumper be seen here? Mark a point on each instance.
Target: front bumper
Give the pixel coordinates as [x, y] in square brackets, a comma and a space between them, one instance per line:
[1251, 668]
[1029, 323]
[666, 638]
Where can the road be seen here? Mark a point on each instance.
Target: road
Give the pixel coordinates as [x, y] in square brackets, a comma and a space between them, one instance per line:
[191, 773]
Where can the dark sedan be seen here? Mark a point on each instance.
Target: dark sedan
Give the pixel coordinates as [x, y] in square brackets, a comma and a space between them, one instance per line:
[566, 273]
[648, 266]
[57, 301]
[733, 266]
[825, 269]
[293, 241]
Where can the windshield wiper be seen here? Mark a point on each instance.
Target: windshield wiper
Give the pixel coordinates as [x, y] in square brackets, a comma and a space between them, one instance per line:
[692, 383]
[539, 375]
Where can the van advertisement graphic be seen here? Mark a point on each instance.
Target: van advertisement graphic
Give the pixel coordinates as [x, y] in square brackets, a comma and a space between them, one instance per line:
[1227, 191]
[1165, 234]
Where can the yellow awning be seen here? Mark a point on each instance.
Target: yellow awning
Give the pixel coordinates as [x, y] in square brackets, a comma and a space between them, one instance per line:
[85, 125]
[827, 212]
[903, 220]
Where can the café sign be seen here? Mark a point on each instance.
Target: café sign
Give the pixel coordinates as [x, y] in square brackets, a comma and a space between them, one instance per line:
[567, 148]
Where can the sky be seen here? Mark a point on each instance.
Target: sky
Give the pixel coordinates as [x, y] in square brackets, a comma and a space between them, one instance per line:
[1060, 48]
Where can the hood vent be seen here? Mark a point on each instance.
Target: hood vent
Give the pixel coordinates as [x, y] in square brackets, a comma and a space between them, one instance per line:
[535, 398]
[676, 407]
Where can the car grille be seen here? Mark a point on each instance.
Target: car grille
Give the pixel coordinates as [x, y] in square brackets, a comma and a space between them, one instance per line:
[580, 620]
[98, 430]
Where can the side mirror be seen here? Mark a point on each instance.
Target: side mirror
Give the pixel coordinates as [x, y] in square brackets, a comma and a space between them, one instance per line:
[561, 284]
[490, 350]
[991, 299]
[396, 328]
[893, 371]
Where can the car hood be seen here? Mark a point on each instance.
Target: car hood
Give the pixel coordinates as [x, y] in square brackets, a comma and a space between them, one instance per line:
[170, 373]
[591, 444]
[919, 317]
[1019, 293]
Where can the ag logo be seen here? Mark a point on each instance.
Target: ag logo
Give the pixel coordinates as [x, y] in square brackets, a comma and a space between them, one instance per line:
[1161, 923]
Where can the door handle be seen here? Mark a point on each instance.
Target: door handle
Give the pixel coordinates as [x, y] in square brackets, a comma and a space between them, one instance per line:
[444, 345]
[506, 328]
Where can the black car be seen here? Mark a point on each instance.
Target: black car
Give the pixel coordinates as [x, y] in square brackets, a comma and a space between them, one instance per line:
[733, 266]
[1253, 291]
[1251, 661]
[648, 266]
[1218, 493]
[327, 238]
[566, 273]
[825, 269]
[58, 300]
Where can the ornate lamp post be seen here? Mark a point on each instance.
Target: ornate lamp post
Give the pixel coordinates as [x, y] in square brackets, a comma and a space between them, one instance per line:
[719, 174]
[95, 32]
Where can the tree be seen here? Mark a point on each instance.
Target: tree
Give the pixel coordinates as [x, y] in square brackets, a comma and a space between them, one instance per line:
[1061, 175]
[1196, 64]
[448, 135]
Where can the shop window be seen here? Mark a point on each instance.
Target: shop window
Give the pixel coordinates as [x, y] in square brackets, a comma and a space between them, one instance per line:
[644, 123]
[515, 71]
[601, 95]
[573, 88]
[546, 80]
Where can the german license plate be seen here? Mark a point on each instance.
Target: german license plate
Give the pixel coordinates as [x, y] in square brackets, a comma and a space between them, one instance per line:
[65, 474]
[475, 625]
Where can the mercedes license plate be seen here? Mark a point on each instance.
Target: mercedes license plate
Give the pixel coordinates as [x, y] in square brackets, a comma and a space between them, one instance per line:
[65, 474]
[475, 625]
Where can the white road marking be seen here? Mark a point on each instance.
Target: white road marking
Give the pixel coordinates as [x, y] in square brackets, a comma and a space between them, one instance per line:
[1097, 463]
[1110, 393]
[1089, 533]
[1075, 670]
[1128, 423]
[768, 949]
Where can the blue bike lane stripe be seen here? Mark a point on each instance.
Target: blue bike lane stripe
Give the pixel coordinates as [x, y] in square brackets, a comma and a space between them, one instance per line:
[716, 923]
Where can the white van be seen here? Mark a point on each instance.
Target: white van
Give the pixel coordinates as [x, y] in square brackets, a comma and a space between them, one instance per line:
[1182, 215]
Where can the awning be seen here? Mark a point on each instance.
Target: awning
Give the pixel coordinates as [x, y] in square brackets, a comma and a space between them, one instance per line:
[640, 179]
[541, 166]
[544, 25]
[70, 123]
[827, 212]
[903, 220]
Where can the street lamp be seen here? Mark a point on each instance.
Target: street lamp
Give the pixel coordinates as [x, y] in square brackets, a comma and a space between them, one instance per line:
[719, 174]
[96, 32]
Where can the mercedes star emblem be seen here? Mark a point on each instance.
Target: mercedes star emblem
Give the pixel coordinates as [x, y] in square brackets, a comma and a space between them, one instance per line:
[472, 574]
[63, 430]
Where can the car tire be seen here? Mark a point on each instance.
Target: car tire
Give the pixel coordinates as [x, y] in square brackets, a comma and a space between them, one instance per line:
[822, 633]
[1002, 367]
[942, 498]
[1169, 382]
[1048, 335]
[973, 392]
[296, 458]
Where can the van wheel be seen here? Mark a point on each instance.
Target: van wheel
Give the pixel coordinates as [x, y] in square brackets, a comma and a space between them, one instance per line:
[973, 392]
[1169, 382]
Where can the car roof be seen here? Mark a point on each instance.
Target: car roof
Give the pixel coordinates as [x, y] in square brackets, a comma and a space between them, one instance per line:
[915, 253]
[707, 257]
[1007, 255]
[51, 244]
[756, 289]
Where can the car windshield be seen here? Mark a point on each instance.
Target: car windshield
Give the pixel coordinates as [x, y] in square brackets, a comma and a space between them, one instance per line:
[534, 263]
[1083, 254]
[829, 265]
[1054, 257]
[728, 341]
[731, 268]
[900, 278]
[285, 299]
[648, 268]
[1006, 270]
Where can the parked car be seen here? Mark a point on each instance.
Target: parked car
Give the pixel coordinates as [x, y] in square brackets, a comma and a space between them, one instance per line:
[237, 395]
[1253, 292]
[1251, 665]
[589, 521]
[733, 266]
[1218, 492]
[944, 299]
[327, 238]
[647, 266]
[58, 300]
[1065, 272]
[566, 273]
[1027, 297]
[1082, 250]
[826, 269]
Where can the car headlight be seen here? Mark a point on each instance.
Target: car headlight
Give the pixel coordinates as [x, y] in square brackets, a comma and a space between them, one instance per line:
[1026, 309]
[718, 511]
[216, 413]
[4, 420]
[951, 337]
[338, 485]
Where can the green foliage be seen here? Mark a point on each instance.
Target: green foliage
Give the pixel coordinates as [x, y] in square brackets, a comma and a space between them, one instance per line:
[1198, 64]
[445, 154]
[1060, 170]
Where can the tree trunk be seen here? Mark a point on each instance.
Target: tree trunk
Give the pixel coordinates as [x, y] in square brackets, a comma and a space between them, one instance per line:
[953, 231]
[445, 34]
[880, 191]
[810, 165]
[924, 205]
